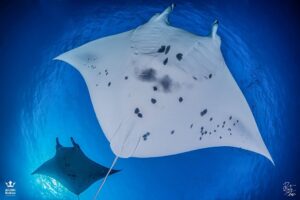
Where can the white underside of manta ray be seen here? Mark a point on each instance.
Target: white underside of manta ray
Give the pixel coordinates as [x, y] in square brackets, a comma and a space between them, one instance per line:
[158, 90]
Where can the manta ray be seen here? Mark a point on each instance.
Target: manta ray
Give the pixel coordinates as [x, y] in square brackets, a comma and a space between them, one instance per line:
[158, 90]
[72, 168]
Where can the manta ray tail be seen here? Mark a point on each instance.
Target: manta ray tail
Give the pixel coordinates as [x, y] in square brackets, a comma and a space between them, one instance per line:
[104, 180]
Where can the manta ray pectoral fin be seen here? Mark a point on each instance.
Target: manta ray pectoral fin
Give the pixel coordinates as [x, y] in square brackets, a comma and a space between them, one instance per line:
[41, 169]
[214, 29]
[34, 172]
[164, 15]
[113, 171]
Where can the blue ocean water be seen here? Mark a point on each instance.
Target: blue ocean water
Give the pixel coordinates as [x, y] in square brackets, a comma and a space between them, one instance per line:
[42, 99]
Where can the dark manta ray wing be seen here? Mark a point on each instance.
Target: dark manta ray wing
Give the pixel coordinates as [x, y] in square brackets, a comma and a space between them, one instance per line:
[73, 169]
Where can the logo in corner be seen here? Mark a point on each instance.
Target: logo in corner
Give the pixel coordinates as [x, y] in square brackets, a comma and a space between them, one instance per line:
[10, 188]
[10, 184]
[288, 189]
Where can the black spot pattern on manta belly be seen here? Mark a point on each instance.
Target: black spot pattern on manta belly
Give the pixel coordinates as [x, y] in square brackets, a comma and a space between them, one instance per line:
[166, 83]
[210, 119]
[191, 126]
[179, 56]
[167, 49]
[147, 75]
[161, 49]
[109, 83]
[223, 124]
[145, 136]
[153, 100]
[203, 112]
[137, 112]
[154, 88]
[172, 132]
[180, 99]
[92, 66]
[195, 78]
[209, 76]
[165, 61]
[106, 72]
[126, 77]
[203, 131]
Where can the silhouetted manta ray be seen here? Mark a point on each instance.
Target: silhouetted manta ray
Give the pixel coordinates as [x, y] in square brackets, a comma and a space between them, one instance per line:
[72, 168]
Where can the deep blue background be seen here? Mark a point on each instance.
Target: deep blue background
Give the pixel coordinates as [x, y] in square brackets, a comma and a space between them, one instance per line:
[42, 98]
